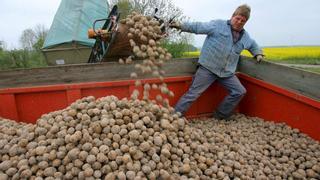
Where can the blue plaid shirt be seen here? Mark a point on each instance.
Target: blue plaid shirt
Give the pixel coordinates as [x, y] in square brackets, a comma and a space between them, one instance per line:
[219, 53]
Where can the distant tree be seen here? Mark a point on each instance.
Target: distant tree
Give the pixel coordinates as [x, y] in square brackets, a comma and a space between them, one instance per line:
[19, 58]
[41, 33]
[27, 39]
[33, 38]
[29, 55]
[166, 8]
[178, 47]
[192, 48]
[176, 42]
[1, 45]
[125, 8]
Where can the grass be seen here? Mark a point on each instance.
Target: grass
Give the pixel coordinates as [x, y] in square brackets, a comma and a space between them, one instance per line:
[311, 69]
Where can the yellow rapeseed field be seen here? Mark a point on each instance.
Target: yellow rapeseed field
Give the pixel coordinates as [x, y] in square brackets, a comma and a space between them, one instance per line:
[287, 53]
[282, 53]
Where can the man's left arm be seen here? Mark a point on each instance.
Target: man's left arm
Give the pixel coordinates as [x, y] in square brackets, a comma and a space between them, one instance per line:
[256, 51]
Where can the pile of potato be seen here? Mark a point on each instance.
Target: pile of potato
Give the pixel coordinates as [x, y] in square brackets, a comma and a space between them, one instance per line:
[138, 138]
[109, 138]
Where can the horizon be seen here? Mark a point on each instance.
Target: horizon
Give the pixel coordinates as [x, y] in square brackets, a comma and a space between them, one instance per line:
[269, 24]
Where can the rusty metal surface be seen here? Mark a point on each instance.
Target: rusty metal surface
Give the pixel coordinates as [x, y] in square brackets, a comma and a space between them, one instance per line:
[68, 74]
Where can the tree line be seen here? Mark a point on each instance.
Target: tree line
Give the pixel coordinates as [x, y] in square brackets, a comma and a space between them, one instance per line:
[29, 54]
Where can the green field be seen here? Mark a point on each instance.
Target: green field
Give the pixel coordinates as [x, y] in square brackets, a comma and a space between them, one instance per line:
[311, 69]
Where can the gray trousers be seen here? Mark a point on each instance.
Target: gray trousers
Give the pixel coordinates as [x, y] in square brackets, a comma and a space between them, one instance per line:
[201, 81]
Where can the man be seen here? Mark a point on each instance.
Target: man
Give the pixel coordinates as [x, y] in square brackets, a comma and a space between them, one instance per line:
[219, 58]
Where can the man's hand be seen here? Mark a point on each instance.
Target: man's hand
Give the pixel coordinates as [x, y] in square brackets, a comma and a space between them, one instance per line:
[175, 24]
[259, 58]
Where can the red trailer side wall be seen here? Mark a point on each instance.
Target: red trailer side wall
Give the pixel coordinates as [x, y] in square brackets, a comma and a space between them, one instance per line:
[276, 104]
[263, 100]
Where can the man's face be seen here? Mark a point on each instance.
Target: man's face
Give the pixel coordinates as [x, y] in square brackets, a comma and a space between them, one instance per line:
[237, 22]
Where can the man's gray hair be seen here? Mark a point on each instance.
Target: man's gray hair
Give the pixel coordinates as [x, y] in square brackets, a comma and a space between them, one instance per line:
[243, 10]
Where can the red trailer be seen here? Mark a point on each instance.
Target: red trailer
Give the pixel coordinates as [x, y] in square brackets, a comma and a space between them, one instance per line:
[274, 92]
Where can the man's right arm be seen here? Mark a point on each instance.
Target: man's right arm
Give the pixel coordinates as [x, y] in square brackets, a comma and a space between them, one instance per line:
[197, 27]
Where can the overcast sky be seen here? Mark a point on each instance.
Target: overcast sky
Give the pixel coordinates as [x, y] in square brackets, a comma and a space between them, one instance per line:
[272, 22]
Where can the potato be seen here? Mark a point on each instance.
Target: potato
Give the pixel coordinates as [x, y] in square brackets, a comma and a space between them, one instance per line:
[134, 138]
